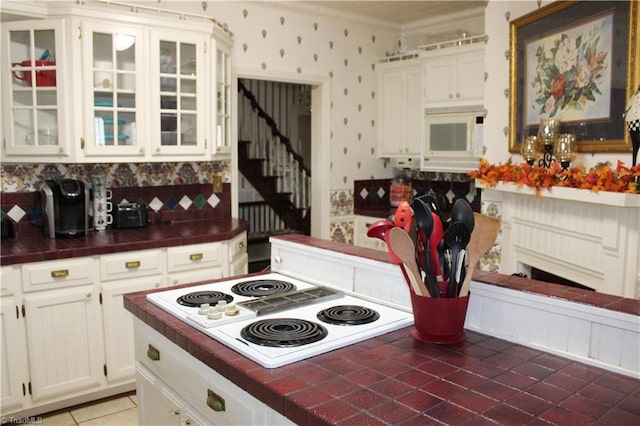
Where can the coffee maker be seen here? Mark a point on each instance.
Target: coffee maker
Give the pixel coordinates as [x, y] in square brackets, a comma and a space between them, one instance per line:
[65, 203]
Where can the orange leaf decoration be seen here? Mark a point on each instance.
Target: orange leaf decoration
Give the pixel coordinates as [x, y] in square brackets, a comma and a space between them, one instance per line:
[601, 177]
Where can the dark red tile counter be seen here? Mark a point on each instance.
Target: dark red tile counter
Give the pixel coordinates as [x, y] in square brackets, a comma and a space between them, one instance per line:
[37, 248]
[394, 379]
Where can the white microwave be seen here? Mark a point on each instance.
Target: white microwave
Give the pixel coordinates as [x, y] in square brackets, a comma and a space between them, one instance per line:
[453, 141]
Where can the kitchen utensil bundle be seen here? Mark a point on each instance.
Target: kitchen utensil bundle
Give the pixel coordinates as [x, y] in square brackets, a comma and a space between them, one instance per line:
[437, 257]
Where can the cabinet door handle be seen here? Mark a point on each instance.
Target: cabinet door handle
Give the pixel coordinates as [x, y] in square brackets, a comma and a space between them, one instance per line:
[153, 353]
[215, 401]
[195, 256]
[60, 273]
[241, 245]
[132, 264]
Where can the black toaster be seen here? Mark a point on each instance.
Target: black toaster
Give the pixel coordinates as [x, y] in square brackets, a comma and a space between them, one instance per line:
[130, 215]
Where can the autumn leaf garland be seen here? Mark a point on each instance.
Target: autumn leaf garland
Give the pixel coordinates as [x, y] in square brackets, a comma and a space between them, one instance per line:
[602, 177]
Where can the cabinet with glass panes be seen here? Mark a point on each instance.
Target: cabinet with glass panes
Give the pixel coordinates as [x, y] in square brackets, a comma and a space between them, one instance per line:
[127, 87]
[34, 85]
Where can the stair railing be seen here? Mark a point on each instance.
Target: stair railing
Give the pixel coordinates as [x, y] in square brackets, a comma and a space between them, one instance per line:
[268, 143]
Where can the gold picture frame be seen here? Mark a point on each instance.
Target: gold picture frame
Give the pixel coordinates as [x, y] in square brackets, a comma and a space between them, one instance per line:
[538, 88]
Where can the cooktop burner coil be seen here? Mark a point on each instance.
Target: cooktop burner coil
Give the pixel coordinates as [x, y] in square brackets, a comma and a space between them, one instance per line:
[348, 315]
[283, 332]
[259, 288]
[198, 298]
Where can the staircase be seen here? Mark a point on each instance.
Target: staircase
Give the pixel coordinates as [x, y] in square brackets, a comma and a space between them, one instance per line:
[278, 174]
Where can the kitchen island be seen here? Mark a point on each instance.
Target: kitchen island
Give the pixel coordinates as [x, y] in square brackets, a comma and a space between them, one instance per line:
[390, 379]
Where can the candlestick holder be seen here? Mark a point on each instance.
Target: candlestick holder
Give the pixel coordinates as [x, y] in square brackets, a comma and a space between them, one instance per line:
[565, 149]
[530, 150]
[546, 156]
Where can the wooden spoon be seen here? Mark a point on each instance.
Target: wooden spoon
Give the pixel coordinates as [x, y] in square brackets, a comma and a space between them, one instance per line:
[399, 242]
[483, 236]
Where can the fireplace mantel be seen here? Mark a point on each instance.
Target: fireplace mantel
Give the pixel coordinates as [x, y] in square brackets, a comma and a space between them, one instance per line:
[592, 238]
[616, 199]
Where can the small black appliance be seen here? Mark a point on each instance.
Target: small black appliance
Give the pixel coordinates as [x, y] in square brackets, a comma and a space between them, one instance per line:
[130, 215]
[65, 203]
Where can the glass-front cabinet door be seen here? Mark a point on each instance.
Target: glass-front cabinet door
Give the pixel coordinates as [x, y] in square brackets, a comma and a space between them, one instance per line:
[114, 92]
[33, 83]
[178, 83]
[223, 101]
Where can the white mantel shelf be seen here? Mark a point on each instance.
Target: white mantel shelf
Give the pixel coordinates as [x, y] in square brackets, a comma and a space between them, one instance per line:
[592, 238]
[615, 199]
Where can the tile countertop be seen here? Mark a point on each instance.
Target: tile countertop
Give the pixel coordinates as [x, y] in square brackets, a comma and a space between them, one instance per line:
[394, 379]
[38, 248]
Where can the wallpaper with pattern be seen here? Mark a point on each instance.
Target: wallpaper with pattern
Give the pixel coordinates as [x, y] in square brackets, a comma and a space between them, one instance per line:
[272, 39]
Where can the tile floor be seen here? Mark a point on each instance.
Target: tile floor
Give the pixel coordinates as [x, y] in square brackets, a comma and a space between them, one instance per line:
[117, 411]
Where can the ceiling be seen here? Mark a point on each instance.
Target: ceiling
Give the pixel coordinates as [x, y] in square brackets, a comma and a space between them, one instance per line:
[398, 12]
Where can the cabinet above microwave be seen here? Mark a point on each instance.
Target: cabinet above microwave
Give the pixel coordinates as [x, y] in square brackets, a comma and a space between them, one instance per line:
[452, 141]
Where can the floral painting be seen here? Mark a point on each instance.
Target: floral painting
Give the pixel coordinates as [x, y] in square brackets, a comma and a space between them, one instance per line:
[569, 73]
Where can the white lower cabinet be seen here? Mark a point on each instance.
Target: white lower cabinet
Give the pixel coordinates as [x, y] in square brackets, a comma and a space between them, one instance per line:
[118, 326]
[175, 388]
[162, 406]
[64, 331]
[239, 266]
[14, 371]
[238, 259]
[123, 273]
[64, 338]
[207, 261]
[360, 238]
[196, 262]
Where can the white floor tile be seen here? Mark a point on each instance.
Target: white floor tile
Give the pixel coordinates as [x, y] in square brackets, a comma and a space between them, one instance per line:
[121, 418]
[134, 399]
[61, 419]
[102, 409]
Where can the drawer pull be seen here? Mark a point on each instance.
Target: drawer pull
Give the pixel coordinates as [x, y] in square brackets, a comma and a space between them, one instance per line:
[132, 265]
[241, 245]
[61, 273]
[195, 256]
[215, 401]
[153, 353]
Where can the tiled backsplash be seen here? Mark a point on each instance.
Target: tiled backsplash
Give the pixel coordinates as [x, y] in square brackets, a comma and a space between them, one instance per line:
[28, 177]
[171, 191]
[446, 188]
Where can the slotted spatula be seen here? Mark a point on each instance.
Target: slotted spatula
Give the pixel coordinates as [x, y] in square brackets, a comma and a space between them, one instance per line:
[457, 237]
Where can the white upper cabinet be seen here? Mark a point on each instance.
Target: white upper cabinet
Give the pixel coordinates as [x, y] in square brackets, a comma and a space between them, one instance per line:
[34, 85]
[107, 85]
[455, 77]
[400, 104]
[223, 96]
[178, 89]
[114, 92]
